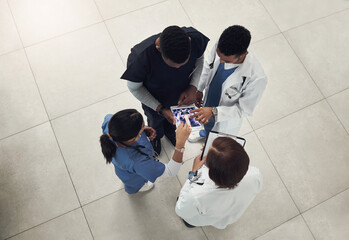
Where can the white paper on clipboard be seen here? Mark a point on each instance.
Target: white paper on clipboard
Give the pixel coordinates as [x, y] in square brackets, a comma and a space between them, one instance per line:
[213, 135]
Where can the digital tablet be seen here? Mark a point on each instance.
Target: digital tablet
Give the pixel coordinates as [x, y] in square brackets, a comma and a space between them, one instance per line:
[180, 112]
[212, 135]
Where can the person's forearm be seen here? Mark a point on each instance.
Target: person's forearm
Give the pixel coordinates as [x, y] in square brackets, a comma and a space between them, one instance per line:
[195, 79]
[142, 94]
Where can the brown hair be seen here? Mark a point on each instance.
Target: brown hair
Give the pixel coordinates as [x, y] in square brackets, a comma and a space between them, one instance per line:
[227, 162]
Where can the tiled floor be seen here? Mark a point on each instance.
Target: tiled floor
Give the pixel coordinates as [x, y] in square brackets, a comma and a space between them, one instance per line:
[60, 63]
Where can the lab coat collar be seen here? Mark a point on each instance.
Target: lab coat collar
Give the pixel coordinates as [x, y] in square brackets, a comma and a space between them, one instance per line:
[245, 68]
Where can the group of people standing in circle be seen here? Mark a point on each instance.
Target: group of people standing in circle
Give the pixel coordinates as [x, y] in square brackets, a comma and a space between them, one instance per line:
[169, 69]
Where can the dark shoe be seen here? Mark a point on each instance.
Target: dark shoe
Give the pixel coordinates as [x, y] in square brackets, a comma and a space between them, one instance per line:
[187, 224]
[156, 143]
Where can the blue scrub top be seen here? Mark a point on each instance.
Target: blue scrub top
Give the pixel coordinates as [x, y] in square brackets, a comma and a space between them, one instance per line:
[133, 168]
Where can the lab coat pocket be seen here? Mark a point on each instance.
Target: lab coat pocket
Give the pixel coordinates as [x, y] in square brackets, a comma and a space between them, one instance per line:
[232, 93]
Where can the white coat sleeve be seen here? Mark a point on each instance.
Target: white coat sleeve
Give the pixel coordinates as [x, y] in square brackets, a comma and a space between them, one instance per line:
[204, 78]
[187, 205]
[246, 103]
[171, 168]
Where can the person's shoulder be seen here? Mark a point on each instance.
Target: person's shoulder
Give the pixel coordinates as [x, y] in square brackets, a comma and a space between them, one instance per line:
[105, 122]
[139, 48]
[256, 67]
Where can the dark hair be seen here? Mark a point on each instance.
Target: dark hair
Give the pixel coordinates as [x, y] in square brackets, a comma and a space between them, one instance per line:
[175, 44]
[234, 41]
[124, 125]
[227, 162]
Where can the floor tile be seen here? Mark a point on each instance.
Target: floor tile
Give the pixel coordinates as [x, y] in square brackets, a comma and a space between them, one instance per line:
[339, 103]
[111, 8]
[295, 229]
[143, 216]
[310, 151]
[216, 15]
[323, 48]
[9, 39]
[130, 29]
[72, 225]
[77, 70]
[39, 20]
[288, 14]
[329, 220]
[289, 88]
[271, 207]
[20, 103]
[78, 135]
[35, 185]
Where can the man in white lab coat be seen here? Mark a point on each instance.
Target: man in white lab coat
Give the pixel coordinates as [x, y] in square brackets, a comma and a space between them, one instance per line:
[234, 82]
[219, 193]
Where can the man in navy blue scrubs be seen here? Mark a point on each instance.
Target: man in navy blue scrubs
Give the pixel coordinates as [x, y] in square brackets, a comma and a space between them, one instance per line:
[163, 71]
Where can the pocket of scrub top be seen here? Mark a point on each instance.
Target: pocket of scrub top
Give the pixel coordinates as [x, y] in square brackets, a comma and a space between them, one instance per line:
[232, 93]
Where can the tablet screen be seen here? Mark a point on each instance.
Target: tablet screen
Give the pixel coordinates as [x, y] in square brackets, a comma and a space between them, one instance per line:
[180, 112]
[213, 135]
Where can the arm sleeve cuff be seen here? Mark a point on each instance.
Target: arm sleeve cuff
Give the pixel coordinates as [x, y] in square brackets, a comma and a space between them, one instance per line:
[171, 168]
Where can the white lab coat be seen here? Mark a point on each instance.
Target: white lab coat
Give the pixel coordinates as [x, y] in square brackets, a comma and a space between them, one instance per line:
[209, 205]
[241, 91]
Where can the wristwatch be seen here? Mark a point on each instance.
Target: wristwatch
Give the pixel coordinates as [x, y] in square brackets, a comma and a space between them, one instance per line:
[214, 112]
[193, 176]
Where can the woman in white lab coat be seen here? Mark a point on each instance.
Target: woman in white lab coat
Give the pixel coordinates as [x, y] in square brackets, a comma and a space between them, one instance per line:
[219, 193]
[242, 82]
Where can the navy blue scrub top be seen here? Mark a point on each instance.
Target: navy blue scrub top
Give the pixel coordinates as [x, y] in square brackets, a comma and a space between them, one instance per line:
[133, 168]
[165, 83]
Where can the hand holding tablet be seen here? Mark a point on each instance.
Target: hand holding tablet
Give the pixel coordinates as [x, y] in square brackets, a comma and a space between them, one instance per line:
[183, 114]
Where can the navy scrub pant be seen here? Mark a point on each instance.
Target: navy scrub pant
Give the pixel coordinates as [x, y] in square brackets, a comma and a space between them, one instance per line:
[160, 124]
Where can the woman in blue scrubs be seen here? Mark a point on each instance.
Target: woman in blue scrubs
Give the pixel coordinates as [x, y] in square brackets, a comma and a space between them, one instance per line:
[125, 143]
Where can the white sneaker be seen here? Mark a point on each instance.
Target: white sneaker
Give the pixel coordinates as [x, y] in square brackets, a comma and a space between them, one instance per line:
[146, 187]
[195, 137]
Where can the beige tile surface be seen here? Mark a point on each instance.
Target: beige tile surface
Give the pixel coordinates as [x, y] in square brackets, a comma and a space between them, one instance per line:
[288, 14]
[35, 185]
[329, 220]
[339, 103]
[142, 216]
[131, 29]
[309, 149]
[270, 208]
[323, 48]
[78, 135]
[289, 88]
[69, 226]
[111, 8]
[9, 38]
[213, 16]
[20, 103]
[295, 229]
[77, 69]
[39, 20]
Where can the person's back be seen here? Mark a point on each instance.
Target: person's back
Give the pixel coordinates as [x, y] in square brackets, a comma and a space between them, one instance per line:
[223, 190]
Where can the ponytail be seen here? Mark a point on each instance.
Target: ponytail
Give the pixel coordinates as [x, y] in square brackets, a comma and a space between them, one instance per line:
[108, 147]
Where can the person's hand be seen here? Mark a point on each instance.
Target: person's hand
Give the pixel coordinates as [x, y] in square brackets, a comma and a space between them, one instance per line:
[197, 164]
[182, 133]
[202, 115]
[199, 101]
[150, 132]
[167, 113]
[188, 96]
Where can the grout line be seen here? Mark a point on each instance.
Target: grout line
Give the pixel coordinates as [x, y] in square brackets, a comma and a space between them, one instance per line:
[51, 219]
[343, 90]
[89, 227]
[138, 9]
[12, 51]
[287, 115]
[109, 194]
[341, 123]
[312, 21]
[308, 227]
[87, 106]
[277, 226]
[277, 172]
[23, 130]
[186, 13]
[203, 230]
